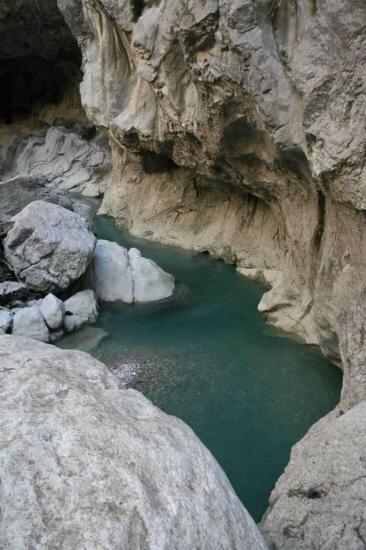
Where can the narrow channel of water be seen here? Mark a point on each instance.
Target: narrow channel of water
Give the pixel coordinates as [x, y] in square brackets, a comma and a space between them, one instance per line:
[208, 357]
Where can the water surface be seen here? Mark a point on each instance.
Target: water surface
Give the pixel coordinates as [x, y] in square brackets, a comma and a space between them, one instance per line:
[207, 356]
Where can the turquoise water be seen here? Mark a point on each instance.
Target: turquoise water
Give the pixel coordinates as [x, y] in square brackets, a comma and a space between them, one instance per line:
[208, 357]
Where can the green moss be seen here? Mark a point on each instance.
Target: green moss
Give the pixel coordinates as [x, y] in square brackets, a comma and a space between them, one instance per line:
[289, 533]
[313, 7]
[137, 6]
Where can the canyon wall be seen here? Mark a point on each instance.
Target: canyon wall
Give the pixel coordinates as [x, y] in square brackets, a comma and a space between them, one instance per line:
[238, 128]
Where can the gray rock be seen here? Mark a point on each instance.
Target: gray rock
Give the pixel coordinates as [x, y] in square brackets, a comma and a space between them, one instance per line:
[17, 192]
[49, 247]
[120, 275]
[86, 339]
[80, 309]
[53, 311]
[319, 502]
[5, 320]
[150, 282]
[61, 158]
[29, 322]
[86, 465]
[11, 290]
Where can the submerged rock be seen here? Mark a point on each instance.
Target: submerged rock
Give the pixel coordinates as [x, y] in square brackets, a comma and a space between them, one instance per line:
[319, 502]
[86, 465]
[119, 275]
[49, 247]
[29, 322]
[53, 311]
[80, 309]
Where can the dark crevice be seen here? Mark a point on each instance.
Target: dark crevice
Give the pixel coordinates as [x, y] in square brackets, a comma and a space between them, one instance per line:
[321, 220]
[155, 163]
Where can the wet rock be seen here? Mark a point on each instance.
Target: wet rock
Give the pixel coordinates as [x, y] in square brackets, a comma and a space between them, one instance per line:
[85, 464]
[29, 322]
[53, 311]
[49, 247]
[80, 309]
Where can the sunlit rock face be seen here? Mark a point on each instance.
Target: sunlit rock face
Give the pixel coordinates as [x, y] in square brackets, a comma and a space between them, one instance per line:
[239, 128]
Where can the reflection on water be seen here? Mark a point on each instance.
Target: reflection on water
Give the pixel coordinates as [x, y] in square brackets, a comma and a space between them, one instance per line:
[207, 357]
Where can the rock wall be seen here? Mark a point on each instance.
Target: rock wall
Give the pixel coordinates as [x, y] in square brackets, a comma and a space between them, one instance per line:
[238, 127]
[319, 502]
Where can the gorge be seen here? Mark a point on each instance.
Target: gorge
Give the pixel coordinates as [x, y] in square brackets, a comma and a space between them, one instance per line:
[229, 127]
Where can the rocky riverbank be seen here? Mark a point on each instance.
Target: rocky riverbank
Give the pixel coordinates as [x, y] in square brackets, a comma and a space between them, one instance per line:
[48, 250]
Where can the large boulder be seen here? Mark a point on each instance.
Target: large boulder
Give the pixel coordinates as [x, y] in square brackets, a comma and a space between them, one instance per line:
[319, 502]
[29, 322]
[80, 309]
[119, 275]
[49, 247]
[84, 464]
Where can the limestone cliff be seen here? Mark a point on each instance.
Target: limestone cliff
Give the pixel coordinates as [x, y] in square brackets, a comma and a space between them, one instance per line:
[238, 127]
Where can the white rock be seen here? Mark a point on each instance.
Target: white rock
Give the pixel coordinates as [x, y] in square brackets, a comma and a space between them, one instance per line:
[29, 322]
[53, 311]
[49, 247]
[121, 276]
[111, 273]
[5, 320]
[86, 465]
[150, 282]
[83, 309]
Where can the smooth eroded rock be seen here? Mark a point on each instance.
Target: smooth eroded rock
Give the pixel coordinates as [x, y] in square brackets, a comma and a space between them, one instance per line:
[150, 282]
[80, 309]
[29, 322]
[84, 464]
[119, 275]
[53, 311]
[49, 247]
[111, 273]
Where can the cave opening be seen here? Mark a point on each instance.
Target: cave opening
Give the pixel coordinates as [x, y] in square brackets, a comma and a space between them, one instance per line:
[40, 61]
